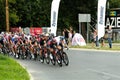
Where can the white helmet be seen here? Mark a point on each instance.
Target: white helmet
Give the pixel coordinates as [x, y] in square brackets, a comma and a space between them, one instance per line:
[46, 34]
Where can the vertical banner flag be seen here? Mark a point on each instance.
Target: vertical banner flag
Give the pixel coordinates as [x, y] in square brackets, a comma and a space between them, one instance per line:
[54, 16]
[101, 18]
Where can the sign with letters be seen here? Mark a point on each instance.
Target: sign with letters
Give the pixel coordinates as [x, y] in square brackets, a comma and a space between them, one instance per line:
[54, 16]
[113, 21]
[101, 18]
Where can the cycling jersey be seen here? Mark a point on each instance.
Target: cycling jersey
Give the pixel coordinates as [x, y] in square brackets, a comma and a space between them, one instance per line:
[53, 44]
[1, 40]
[42, 42]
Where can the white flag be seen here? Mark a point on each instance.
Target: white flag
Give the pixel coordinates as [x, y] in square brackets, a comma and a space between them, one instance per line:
[101, 18]
[54, 16]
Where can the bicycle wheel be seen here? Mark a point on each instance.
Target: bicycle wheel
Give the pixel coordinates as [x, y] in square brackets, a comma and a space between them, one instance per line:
[59, 59]
[47, 58]
[28, 55]
[65, 58]
[42, 58]
[52, 58]
[22, 55]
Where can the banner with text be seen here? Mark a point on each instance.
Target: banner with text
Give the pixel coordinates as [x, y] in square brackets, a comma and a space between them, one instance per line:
[54, 16]
[35, 31]
[27, 30]
[101, 18]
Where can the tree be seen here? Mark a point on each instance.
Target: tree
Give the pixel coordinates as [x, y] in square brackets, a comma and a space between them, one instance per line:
[69, 11]
[114, 3]
[27, 13]
[2, 15]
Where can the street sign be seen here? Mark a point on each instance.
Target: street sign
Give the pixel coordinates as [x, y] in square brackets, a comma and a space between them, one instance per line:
[84, 17]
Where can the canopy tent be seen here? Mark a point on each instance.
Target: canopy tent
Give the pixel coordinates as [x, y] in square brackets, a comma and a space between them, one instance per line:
[78, 40]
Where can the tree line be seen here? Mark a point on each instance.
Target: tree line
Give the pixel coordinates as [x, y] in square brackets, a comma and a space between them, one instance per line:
[36, 13]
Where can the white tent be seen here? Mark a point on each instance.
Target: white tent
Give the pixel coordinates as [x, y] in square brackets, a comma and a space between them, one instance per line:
[78, 40]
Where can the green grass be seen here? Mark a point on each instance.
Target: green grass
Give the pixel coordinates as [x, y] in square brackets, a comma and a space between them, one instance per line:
[115, 47]
[11, 70]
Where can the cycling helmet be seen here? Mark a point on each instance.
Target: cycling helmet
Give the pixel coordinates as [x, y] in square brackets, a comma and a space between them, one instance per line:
[47, 34]
[61, 38]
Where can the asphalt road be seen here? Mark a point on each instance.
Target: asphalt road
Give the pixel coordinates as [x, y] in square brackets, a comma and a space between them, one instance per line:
[84, 65]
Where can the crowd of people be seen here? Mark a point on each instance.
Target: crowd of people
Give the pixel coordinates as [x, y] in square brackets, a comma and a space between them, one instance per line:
[107, 36]
[14, 40]
[68, 35]
[24, 46]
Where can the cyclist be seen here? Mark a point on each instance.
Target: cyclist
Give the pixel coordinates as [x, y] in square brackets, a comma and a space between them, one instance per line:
[1, 42]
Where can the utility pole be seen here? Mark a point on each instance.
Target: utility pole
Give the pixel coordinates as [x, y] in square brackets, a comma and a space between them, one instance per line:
[7, 16]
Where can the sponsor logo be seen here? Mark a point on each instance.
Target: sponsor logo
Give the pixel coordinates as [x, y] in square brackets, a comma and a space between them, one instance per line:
[54, 19]
[113, 21]
[113, 13]
[101, 15]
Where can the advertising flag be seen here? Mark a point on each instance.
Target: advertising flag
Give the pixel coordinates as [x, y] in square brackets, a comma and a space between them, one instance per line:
[101, 18]
[54, 16]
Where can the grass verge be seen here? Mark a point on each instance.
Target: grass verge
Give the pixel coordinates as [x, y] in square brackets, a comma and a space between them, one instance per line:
[11, 70]
[115, 47]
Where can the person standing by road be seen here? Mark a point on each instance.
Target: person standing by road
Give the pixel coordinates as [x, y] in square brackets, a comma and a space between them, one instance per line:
[71, 35]
[94, 37]
[66, 36]
[109, 33]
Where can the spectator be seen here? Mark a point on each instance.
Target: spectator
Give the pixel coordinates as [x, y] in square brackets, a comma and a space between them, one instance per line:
[71, 34]
[66, 36]
[71, 31]
[93, 38]
[109, 33]
[96, 36]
